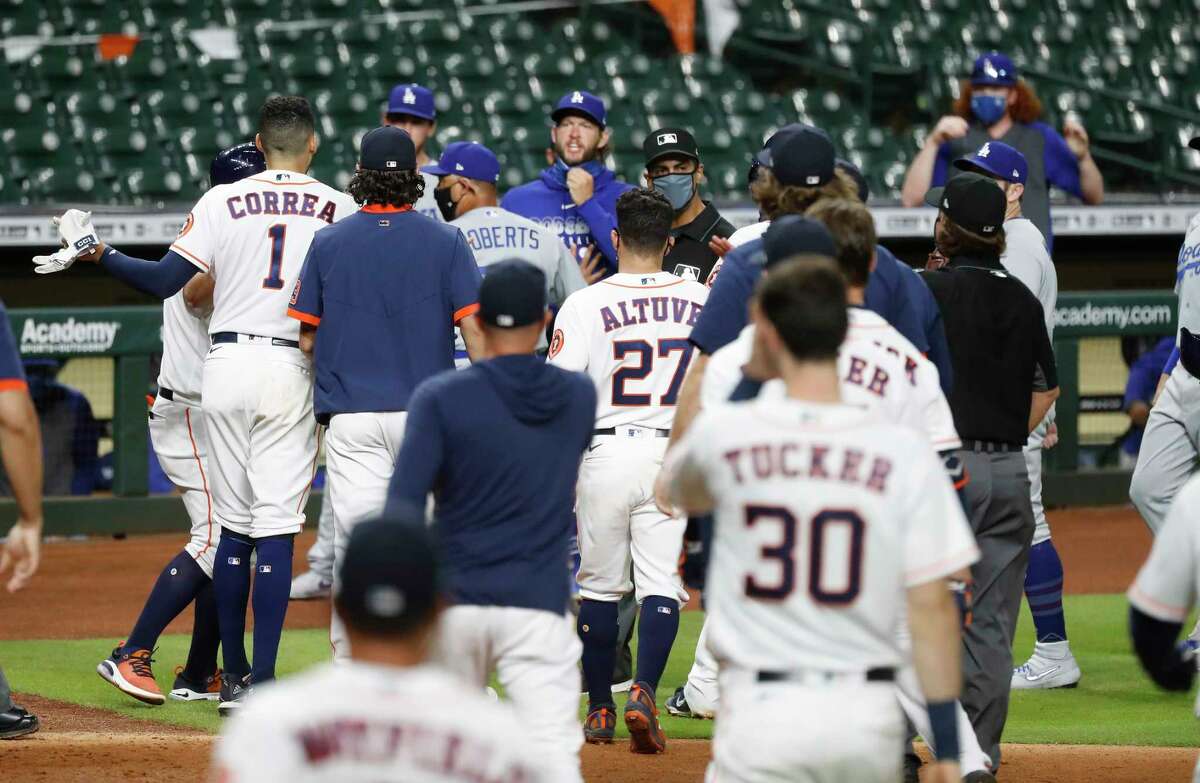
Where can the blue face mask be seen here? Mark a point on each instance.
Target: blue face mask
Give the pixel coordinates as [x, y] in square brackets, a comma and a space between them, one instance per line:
[678, 188]
[559, 170]
[988, 109]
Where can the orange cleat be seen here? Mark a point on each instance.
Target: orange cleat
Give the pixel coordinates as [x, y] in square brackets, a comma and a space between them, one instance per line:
[130, 673]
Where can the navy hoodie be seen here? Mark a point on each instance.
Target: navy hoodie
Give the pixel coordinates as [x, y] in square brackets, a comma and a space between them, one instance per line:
[546, 200]
[499, 444]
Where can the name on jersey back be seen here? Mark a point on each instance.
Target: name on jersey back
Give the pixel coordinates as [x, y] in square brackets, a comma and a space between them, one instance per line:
[793, 459]
[643, 309]
[272, 202]
[493, 237]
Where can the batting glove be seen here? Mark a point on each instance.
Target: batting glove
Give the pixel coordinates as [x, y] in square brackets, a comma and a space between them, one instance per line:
[57, 261]
[78, 237]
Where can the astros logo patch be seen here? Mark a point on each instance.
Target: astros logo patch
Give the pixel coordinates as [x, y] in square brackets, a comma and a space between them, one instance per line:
[187, 226]
[556, 343]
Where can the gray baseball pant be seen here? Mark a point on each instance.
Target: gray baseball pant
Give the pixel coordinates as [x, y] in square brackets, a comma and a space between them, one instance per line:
[998, 506]
[1169, 448]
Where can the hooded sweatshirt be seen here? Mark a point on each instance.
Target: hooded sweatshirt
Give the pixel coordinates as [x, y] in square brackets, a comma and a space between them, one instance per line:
[499, 445]
[547, 201]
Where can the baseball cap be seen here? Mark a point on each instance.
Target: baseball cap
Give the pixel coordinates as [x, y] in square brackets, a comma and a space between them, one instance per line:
[793, 235]
[412, 99]
[513, 293]
[802, 156]
[670, 141]
[997, 159]
[994, 68]
[240, 160]
[580, 102]
[387, 148]
[853, 172]
[468, 159]
[972, 201]
[389, 576]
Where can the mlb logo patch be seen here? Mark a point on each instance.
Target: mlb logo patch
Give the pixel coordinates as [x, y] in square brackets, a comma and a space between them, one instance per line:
[384, 223]
[233, 561]
[667, 138]
[264, 569]
[391, 164]
[687, 272]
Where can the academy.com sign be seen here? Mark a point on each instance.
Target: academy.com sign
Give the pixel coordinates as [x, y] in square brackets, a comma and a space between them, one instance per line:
[68, 336]
[1114, 317]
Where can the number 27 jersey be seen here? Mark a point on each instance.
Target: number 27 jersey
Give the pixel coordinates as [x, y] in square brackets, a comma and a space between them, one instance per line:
[629, 333]
[252, 236]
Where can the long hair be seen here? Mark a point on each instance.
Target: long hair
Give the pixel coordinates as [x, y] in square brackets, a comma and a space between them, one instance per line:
[386, 187]
[1027, 107]
[775, 199]
[954, 240]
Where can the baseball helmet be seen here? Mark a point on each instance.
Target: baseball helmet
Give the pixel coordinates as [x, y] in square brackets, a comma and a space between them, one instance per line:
[240, 160]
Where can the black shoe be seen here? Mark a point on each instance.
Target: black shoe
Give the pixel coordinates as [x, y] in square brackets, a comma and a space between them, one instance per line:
[912, 767]
[677, 705]
[17, 722]
[233, 694]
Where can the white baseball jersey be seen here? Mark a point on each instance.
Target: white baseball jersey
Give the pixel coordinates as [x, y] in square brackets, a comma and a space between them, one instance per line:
[630, 334]
[1026, 258]
[252, 236]
[824, 515]
[1169, 581]
[427, 204]
[1187, 279]
[737, 239]
[367, 722]
[185, 343]
[878, 366]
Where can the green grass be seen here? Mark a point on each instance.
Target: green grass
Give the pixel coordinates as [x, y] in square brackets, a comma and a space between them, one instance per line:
[1115, 704]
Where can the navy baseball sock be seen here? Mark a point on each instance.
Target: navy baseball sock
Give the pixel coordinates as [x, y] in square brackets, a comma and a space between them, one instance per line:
[177, 585]
[1043, 590]
[206, 637]
[231, 591]
[272, 584]
[657, 627]
[597, 626]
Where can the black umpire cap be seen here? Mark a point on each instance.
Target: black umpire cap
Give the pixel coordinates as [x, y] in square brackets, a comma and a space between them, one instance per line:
[512, 294]
[670, 141]
[387, 148]
[389, 577]
[793, 235]
[972, 201]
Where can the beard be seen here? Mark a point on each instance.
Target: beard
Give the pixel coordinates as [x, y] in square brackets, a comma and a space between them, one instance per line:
[589, 153]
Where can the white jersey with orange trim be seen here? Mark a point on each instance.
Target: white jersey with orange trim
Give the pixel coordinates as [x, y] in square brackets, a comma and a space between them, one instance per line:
[629, 333]
[737, 239]
[252, 236]
[879, 368]
[1168, 584]
[369, 722]
[185, 343]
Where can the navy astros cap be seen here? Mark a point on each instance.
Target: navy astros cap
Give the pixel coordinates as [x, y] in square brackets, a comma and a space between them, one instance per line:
[853, 172]
[240, 160]
[994, 68]
[670, 141]
[996, 159]
[802, 157]
[972, 201]
[468, 159]
[387, 148]
[793, 235]
[389, 577]
[582, 103]
[512, 294]
[412, 99]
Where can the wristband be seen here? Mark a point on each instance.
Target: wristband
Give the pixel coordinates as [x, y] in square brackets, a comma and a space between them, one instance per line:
[943, 720]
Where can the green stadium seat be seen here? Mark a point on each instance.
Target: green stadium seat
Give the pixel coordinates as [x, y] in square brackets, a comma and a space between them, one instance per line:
[21, 17]
[154, 185]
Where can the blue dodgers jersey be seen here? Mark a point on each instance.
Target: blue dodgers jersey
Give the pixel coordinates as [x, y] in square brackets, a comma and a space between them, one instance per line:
[384, 288]
[12, 373]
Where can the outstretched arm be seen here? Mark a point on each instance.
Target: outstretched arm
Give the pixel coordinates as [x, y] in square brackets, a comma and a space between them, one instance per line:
[161, 279]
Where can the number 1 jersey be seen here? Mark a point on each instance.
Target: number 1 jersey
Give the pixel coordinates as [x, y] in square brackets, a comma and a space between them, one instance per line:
[252, 236]
[629, 333]
[825, 514]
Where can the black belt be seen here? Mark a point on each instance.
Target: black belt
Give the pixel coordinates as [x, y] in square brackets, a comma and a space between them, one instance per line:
[613, 431]
[989, 446]
[232, 337]
[880, 674]
[166, 393]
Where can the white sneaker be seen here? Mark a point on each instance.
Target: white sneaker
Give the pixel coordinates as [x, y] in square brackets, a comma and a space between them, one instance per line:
[310, 585]
[1051, 666]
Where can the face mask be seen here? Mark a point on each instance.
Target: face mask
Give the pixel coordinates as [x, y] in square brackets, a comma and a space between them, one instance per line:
[988, 109]
[558, 172]
[678, 188]
[445, 203]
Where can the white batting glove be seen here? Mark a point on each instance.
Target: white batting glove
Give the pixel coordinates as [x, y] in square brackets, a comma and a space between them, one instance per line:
[77, 232]
[57, 261]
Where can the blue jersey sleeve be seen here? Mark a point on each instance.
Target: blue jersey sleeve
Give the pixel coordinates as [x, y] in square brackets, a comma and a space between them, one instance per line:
[890, 295]
[307, 303]
[12, 373]
[162, 279]
[941, 165]
[464, 280]
[724, 314]
[1062, 167]
[421, 455]
[601, 220]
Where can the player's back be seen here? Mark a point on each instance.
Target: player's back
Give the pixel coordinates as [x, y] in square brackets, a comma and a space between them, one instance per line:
[253, 235]
[629, 333]
[185, 343]
[496, 234]
[823, 513]
[360, 721]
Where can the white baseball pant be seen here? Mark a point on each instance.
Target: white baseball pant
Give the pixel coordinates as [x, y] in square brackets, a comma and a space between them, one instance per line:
[535, 655]
[320, 554]
[360, 457]
[1169, 448]
[262, 436]
[177, 432]
[1033, 464]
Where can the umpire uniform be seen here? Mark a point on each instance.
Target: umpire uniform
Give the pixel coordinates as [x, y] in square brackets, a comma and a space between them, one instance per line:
[384, 293]
[1000, 353]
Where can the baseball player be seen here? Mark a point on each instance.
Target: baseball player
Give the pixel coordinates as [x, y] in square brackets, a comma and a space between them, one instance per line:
[411, 108]
[499, 446]
[180, 441]
[1168, 455]
[466, 195]
[629, 334]
[825, 516]
[21, 454]
[377, 300]
[251, 236]
[386, 714]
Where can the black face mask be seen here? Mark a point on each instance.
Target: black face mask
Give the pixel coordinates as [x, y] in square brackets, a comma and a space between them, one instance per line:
[445, 204]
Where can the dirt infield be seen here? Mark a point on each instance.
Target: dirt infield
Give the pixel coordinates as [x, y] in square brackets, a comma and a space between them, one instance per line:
[96, 588]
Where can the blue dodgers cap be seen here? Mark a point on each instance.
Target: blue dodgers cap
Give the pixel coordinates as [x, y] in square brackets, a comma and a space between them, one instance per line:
[240, 160]
[389, 577]
[412, 99]
[387, 148]
[994, 68]
[468, 159]
[996, 159]
[793, 235]
[582, 103]
[512, 294]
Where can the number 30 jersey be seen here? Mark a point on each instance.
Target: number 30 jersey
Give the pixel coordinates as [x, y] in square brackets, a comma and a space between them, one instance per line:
[629, 333]
[825, 514]
[252, 236]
